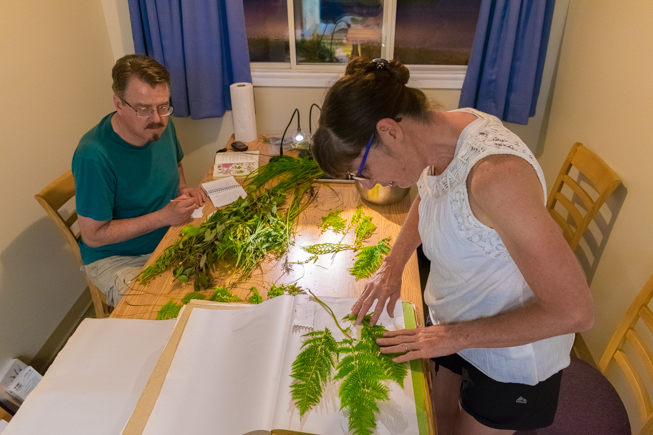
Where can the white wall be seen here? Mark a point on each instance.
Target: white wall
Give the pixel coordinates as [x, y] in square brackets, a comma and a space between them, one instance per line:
[55, 83]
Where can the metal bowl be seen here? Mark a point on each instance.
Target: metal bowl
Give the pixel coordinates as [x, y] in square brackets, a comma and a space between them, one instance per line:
[382, 195]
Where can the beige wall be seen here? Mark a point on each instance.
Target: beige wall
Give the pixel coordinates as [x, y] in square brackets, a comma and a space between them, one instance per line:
[54, 85]
[603, 96]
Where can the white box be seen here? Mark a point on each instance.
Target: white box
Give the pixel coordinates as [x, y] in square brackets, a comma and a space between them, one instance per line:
[24, 383]
[7, 376]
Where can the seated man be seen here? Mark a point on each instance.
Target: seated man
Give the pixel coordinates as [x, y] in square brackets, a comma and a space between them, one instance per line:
[129, 181]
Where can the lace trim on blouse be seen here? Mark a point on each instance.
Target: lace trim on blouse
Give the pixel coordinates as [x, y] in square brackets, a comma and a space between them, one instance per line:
[490, 138]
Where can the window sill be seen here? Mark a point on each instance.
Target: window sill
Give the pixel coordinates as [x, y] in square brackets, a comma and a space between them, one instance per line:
[422, 77]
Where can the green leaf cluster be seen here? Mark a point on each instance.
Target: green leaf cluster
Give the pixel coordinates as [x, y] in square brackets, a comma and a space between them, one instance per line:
[169, 311]
[255, 297]
[241, 235]
[369, 259]
[334, 222]
[326, 248]
[363, 370]
[223, 294]
[281, 289]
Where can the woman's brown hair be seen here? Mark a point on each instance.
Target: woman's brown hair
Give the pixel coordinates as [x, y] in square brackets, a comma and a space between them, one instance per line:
[369, 91]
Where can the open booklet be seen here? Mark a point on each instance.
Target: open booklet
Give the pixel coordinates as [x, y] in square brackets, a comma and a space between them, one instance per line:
[223, 191]
[230, 375]
[237, 164]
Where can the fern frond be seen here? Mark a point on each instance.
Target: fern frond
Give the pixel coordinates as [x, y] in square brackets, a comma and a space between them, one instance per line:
[312, 369]
[364, 230]
[394, 371]
[326, 248]
[190, 296]
[362, 374]
[222, 294]
[169, 311]
[369, 259]
[334, 222]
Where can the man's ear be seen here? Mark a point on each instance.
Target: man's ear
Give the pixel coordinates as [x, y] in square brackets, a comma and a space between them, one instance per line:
[117, 103]
[389, 131]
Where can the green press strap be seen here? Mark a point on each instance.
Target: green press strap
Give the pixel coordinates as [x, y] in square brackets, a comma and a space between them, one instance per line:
[417, 375]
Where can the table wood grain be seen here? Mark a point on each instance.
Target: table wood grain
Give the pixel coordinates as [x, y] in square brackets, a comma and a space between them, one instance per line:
[327, 277]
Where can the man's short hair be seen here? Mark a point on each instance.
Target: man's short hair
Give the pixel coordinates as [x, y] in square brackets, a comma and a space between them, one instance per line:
[142, 67]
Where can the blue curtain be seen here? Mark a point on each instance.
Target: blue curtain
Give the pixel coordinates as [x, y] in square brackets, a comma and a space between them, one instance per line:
[202, 43]
[505, 67]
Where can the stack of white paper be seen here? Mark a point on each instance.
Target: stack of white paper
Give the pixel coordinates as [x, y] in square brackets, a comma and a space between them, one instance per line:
[224, 191]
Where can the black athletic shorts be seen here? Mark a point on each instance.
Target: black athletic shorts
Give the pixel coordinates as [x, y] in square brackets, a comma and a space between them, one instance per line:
[502, 405]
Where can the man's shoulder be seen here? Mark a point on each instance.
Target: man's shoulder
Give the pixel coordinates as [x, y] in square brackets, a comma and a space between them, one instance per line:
[93, 142]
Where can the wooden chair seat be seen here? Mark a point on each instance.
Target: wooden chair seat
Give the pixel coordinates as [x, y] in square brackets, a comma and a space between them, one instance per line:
[52, 199]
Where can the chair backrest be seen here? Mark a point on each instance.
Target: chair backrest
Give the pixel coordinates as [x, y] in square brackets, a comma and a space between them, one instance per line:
[55, 196]
[630, 350]
[580, 205]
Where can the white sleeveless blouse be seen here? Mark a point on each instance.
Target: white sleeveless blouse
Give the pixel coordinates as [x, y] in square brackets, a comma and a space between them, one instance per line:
[472, 274]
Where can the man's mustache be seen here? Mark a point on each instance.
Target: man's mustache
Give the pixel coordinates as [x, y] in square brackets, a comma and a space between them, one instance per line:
[154, 126]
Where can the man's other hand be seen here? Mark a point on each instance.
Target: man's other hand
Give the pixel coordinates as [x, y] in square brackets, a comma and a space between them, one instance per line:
[196, 193]
[179, 210]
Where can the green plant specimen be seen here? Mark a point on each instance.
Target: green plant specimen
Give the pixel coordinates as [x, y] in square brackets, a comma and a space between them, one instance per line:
[242, 234]
[369, 259]
[192, 295]
[169, 311]
[364, 230]
[326, 248]
[255, 297]
[334, 222]
[290, 289]
[312, 369]
[222, 294]
[363, 372]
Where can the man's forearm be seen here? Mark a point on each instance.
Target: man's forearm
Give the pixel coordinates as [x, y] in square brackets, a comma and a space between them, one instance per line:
[119, 230]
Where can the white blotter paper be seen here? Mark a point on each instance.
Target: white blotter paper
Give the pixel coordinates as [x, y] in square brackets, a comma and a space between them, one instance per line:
[230, 375]
[94, 383]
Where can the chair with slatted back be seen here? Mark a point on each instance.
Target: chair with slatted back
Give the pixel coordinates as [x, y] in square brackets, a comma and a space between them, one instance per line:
[52, 199]
[628, 351]
[577, 202]
[580, 205]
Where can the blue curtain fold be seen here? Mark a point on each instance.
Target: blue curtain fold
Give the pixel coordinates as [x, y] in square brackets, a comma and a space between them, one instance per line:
[202, 43]
[507, 59]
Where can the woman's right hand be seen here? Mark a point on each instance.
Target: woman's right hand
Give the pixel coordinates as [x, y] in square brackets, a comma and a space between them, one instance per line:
[384, 286]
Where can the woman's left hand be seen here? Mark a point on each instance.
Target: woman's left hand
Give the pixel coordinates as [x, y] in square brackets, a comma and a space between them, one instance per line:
[423, 342]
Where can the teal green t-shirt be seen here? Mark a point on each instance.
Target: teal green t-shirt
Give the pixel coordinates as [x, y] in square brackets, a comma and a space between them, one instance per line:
[117, 180]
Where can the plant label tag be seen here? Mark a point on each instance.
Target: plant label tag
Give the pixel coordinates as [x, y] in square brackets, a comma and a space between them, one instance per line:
[305, 315]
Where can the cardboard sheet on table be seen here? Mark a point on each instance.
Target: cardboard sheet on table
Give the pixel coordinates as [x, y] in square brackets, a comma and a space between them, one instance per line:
[229, 374]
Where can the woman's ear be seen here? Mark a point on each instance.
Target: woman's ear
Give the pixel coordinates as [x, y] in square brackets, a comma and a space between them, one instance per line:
[390, 132]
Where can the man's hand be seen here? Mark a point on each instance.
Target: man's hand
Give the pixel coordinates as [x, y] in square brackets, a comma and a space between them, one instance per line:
[179, 210]
[194, 192]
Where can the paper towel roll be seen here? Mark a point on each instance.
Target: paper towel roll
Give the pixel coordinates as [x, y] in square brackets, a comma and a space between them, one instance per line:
[242, 111]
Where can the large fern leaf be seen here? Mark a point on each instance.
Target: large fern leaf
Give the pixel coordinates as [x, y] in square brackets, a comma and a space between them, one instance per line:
[369, 259]
[312, 369]
[362, 374]
[394, 371]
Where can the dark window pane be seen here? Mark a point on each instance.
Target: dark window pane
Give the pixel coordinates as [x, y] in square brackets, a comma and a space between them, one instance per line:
[331, 31]
[435, 32]
[266, 22]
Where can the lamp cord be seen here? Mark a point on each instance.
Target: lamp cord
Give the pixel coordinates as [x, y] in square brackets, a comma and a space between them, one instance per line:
[283, 136]
[310, 124]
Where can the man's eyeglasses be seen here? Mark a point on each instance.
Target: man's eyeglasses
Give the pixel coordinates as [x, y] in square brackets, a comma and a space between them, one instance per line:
[146, 112]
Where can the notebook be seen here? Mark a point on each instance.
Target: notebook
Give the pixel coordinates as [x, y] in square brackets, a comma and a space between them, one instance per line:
[223, 191]
[236, 164]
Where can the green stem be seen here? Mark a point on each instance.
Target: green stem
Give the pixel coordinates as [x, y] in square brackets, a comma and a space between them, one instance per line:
[332, 314]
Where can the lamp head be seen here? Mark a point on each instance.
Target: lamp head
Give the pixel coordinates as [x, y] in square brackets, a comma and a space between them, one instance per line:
[299, 136]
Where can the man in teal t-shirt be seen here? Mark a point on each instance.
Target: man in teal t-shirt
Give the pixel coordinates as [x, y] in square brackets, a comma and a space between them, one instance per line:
[129, 182]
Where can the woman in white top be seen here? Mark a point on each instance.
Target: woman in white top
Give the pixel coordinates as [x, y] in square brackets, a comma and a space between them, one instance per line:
[505, 292]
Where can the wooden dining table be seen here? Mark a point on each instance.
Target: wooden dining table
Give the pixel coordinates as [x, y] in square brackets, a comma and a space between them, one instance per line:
[328, 276]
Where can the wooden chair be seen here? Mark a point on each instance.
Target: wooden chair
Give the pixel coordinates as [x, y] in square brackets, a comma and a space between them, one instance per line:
[577, 201]
[578, 205]
[630, 351]
[52, 198]
[4, 415]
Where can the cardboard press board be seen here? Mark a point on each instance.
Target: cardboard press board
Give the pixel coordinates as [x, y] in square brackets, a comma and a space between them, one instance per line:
[139, 419]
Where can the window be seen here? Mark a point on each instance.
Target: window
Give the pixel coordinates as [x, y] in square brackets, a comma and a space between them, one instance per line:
[433, 36]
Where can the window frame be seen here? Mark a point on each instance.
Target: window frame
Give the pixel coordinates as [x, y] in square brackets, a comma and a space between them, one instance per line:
[282, 74]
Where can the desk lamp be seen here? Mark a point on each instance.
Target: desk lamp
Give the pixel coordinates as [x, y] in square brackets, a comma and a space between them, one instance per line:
[299, 136]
